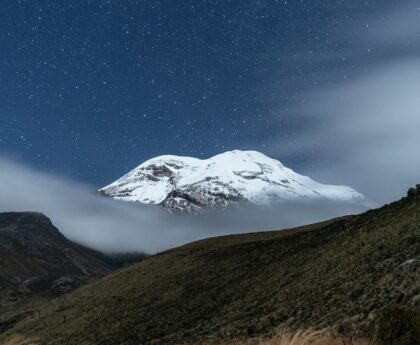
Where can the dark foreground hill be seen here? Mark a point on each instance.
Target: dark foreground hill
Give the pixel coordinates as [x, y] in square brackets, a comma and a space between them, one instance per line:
[338, 274]
[37, 262]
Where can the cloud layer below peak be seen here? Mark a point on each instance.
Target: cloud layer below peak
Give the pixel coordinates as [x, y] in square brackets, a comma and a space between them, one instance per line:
[111, 226]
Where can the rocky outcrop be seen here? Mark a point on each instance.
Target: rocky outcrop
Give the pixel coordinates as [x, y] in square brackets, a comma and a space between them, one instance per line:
[35, 258]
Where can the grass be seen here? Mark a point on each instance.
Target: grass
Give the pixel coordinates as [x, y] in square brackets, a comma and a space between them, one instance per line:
[294, 338]
[20, 340]
[284, 338]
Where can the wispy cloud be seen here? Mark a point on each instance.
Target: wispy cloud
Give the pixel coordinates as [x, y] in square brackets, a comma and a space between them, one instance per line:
[366, 131]
[361, 128]
[396, 29]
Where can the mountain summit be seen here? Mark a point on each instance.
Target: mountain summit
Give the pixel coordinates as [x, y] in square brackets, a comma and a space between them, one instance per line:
[186, 184]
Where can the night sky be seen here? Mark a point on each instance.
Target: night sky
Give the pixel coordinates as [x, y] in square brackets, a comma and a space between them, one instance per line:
[90, 89]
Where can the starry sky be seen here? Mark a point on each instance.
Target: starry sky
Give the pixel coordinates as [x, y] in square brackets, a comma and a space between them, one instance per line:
[90, 89]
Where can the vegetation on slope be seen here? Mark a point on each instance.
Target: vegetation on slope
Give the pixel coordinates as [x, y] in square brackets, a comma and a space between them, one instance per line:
[341, 274]
[284, 338]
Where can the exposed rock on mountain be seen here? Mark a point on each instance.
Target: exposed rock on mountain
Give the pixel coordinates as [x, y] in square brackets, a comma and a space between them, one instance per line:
[185, 184]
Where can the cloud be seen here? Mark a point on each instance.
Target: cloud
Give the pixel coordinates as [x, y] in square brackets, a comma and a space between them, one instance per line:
[368, 130]
[396, 29]
[363, 129]
[112, 226]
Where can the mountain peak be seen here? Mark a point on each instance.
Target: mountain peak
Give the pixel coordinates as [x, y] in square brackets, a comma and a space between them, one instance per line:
[188, 184]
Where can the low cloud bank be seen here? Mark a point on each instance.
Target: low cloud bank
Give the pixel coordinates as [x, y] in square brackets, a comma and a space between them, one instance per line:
[365, 132]
[112, 226]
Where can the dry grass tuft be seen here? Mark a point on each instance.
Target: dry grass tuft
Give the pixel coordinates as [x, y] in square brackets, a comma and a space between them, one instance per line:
[297, 338]
[19, 340]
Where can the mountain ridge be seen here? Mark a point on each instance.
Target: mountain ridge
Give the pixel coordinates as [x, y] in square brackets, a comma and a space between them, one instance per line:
[37, 263]
[187, 184]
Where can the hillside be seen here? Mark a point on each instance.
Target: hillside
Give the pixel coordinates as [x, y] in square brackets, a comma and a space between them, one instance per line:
[37, 262]
[336, 274]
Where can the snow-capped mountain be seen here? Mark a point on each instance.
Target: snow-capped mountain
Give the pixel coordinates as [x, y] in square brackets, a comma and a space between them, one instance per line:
[186, 184]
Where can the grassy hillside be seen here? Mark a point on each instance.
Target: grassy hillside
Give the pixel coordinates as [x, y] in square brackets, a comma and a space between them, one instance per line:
[339, 274]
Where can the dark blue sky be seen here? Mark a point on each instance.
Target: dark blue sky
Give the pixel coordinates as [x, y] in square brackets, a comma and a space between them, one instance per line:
[90, 89]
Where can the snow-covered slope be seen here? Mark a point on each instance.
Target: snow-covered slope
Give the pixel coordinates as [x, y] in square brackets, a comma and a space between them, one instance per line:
[186, 184]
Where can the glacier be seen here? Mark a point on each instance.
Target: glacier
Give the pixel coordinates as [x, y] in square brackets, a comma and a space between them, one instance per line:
[189, 185]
